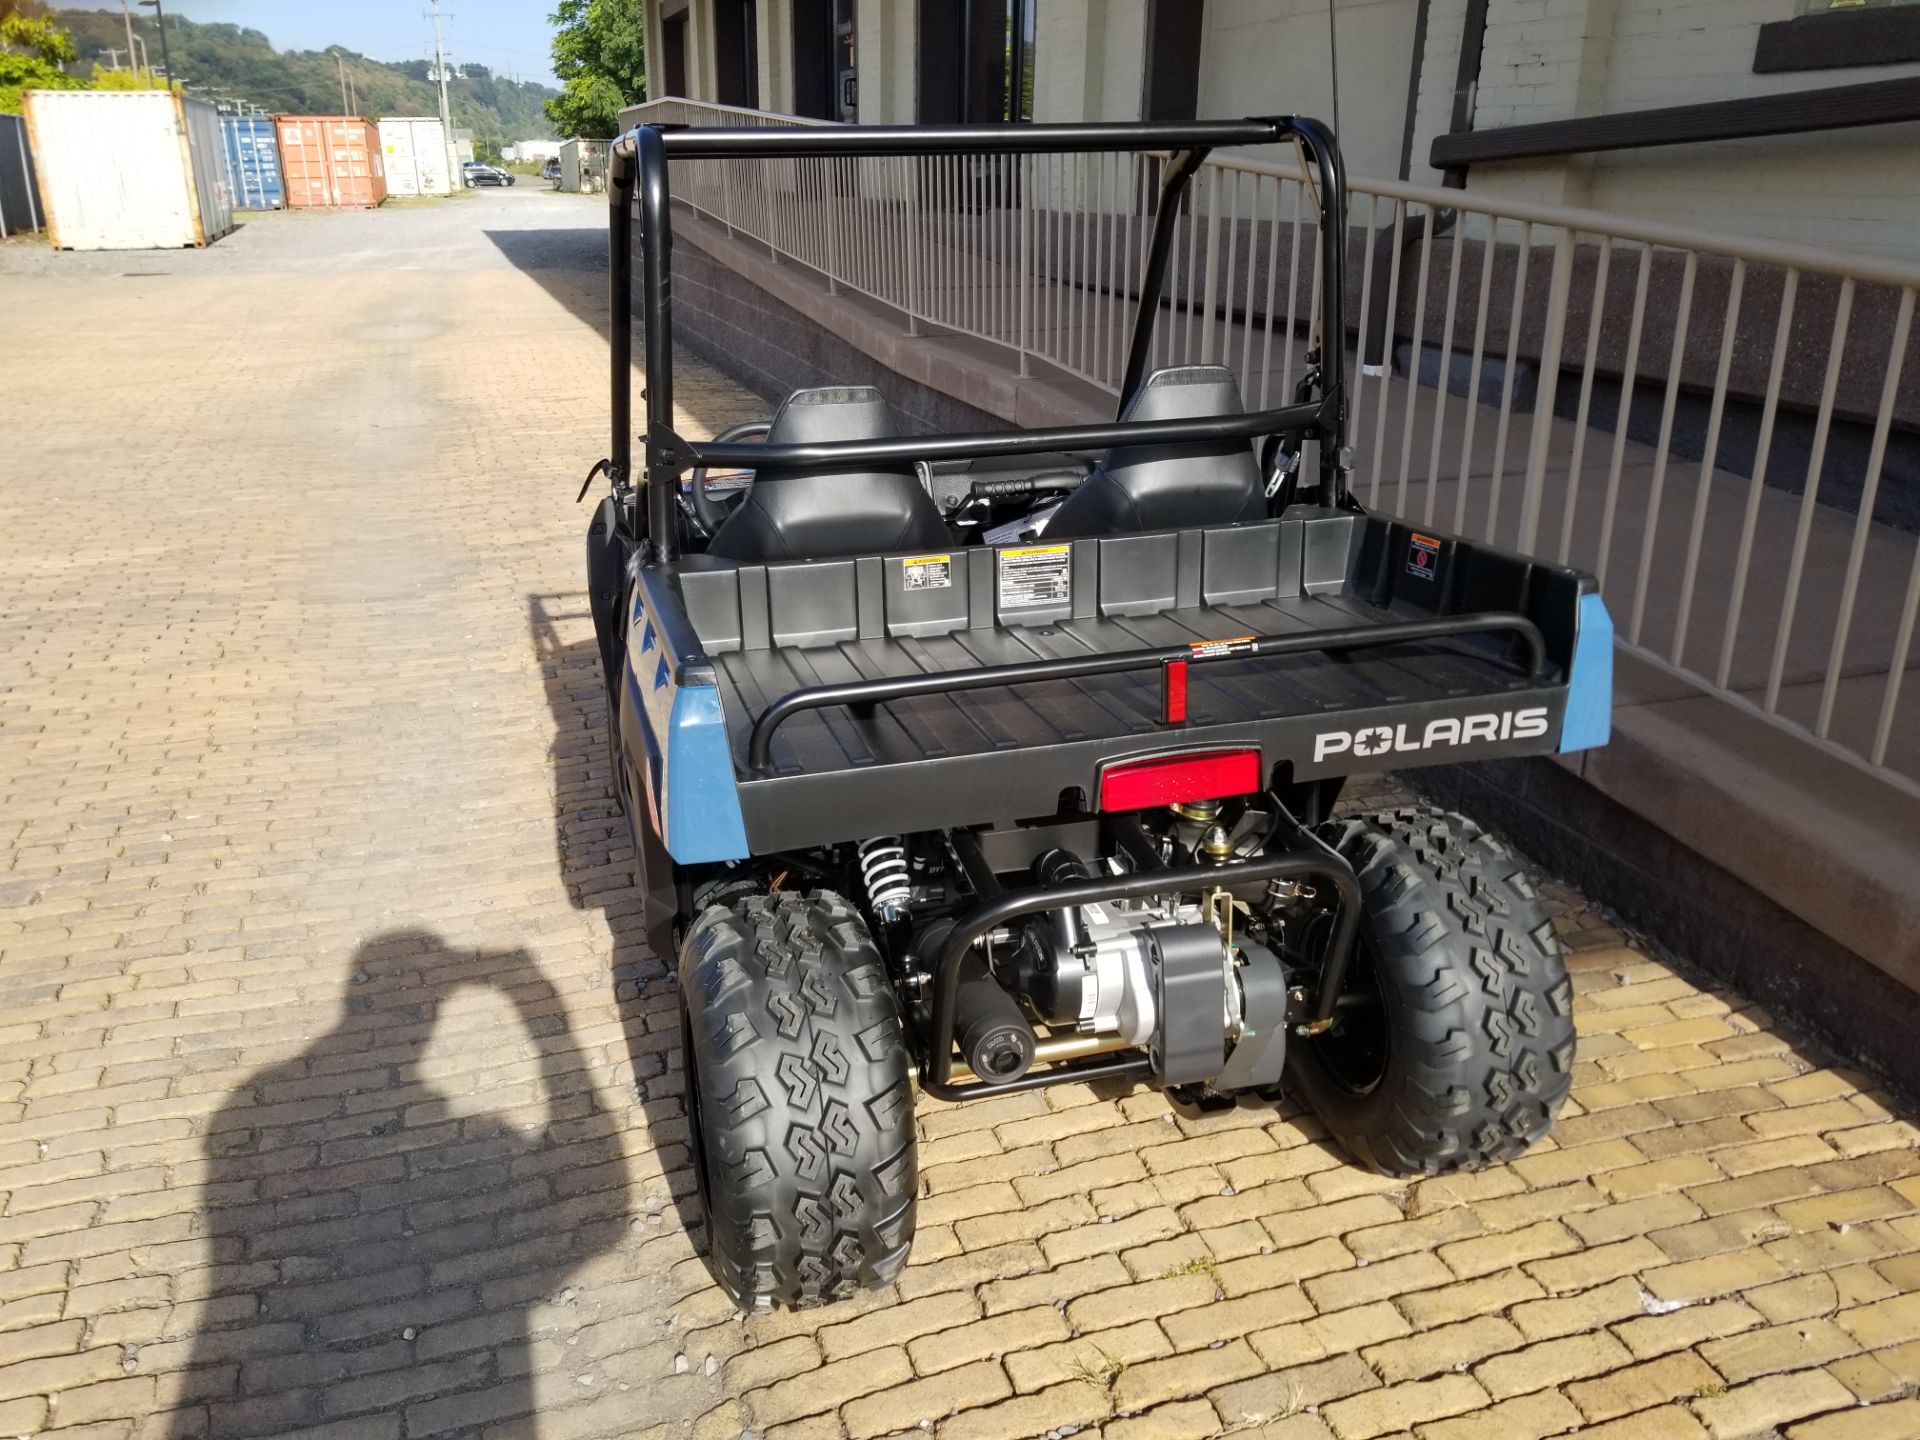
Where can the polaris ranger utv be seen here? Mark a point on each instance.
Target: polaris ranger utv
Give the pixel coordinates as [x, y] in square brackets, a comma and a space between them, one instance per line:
[922, 808]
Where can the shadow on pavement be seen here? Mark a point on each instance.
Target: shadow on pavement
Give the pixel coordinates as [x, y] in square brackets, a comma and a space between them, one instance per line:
[377, 1244]
[569, 264]
[595, 851]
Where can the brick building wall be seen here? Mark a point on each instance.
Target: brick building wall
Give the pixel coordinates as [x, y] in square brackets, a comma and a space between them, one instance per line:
[1561, 59]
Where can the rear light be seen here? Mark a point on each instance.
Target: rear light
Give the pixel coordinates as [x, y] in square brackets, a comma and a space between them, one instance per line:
[1171, 779]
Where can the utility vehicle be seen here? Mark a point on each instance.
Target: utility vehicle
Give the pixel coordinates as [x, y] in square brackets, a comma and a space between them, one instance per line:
[921, 812]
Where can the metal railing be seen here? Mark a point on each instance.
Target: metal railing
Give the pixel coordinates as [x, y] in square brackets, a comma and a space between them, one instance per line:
[1584, 387]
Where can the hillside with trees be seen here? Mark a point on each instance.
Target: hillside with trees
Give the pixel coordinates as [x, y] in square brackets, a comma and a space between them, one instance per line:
[232, 62]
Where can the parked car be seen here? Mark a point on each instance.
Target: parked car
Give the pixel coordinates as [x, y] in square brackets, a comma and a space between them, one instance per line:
[478, 173]
[551, 171]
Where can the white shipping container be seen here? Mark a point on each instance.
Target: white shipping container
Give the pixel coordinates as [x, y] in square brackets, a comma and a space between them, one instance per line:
[415, 153]
[583, 165]
[128, 169]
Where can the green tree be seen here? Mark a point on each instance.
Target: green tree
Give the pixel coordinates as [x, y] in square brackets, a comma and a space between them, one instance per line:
[599, 54]
[32, 52]
[105, 79]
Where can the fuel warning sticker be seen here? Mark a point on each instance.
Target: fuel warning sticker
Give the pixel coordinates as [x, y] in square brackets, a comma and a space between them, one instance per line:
[1036, 575]
[1423, 556]
[927, 572]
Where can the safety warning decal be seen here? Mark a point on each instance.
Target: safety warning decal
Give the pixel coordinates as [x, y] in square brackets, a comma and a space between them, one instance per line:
[1423, 556]
[927, 572]
[1036, 575]
[1214, 649]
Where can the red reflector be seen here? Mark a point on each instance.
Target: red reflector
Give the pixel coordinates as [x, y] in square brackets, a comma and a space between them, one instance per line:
[1208, 775]
[1173, 699]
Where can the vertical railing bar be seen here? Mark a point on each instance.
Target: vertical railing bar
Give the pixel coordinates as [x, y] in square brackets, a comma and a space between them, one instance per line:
[1863, 523]
[1290, 339]
[1816, 463]
[1682, 319]
[1357, 407]
[1443, 389]
[1273, 300]
[1385, 377]
[1762, 458]
[1247, 326]
[1690, 574]
[1106, 264]
[1594, 315]
[1498, 478]
[1192, 277]
[1552, 351]
[1897, 669]
[1473, 377]
[1213, 306]
[1062, 231]
[1024, 281]
[1227, 266]
[1629, 377]
[910, 243]
[1077, 267]
[1414, 359]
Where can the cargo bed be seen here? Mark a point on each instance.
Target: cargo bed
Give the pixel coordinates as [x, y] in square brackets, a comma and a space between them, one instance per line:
[767, 635]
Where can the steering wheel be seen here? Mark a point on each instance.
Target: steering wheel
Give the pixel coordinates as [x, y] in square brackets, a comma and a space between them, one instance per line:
[714, 497]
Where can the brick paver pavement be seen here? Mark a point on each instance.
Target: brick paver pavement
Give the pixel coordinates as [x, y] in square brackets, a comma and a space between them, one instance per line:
[338, 1095]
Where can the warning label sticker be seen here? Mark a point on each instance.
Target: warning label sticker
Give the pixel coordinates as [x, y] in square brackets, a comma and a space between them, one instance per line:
[1214, 649]
[1036, 575]
[1423, 556]
[927, 572]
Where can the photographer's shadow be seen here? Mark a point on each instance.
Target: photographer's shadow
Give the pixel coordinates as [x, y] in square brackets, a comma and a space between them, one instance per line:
[387, 1208]
[595, 852]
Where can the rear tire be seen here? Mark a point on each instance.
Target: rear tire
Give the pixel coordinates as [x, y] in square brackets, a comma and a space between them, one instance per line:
[1462, 1050]
[801, 1100]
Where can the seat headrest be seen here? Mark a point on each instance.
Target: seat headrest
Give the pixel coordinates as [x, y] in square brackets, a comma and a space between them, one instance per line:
[1186, 391]
[834, 412]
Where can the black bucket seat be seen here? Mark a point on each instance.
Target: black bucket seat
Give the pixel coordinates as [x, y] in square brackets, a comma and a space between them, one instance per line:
[1168, 487]
[824, 515]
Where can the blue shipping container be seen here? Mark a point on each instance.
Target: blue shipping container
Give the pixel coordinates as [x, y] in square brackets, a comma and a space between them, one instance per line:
[253, 162]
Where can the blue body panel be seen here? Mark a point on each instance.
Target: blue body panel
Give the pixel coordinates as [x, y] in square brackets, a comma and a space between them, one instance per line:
[253, 162]
[690, 785]
[1589, 717]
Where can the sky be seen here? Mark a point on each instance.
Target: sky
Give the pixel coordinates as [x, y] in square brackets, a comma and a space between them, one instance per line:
[505, 35]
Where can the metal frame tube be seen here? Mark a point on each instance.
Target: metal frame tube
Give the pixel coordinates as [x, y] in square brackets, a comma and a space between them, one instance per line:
[637, 175]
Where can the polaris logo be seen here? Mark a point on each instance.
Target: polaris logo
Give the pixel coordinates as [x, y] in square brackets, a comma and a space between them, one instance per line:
[1452, 730]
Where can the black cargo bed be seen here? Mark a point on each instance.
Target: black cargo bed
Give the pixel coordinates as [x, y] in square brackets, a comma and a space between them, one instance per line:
[1094, 708]
[966, 756]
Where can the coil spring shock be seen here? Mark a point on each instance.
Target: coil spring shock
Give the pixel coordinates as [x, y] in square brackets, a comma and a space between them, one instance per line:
[885, 873]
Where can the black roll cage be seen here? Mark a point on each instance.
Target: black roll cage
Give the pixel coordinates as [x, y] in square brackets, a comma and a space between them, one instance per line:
[637, 181]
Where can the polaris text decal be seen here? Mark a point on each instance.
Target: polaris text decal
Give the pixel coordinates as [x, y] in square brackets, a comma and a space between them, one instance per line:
[1452, 730]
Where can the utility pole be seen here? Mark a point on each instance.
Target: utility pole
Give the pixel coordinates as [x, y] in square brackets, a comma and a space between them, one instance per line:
[446, 109]
[126, 9]
[341, 62]
[160, 19]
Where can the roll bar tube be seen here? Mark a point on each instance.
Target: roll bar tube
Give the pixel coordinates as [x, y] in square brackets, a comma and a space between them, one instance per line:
[637, 182]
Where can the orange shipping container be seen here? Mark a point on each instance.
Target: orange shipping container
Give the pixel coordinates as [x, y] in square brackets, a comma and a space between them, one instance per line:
[330, 160]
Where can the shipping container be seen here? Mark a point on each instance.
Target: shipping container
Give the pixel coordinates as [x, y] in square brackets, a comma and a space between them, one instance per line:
[414, 152]
[253, 162]
[330, 160]
[583, 166]
[128, 169]
[19, 190]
